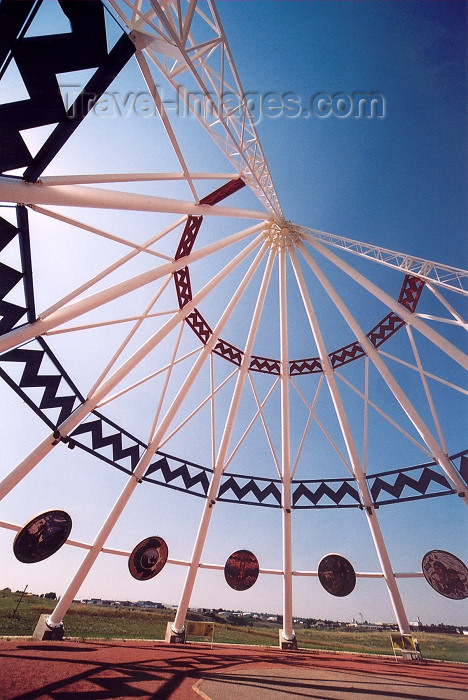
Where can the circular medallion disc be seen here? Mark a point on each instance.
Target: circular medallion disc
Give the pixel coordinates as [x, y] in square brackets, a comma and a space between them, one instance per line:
[446, 574]
[241, 570]
[336, 574]
[148, 558]
[42, 536]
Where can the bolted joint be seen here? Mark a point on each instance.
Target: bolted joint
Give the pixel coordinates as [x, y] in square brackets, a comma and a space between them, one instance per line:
[53, 625]
[58, 437]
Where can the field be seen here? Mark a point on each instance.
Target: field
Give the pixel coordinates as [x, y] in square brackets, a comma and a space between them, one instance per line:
[91, 621]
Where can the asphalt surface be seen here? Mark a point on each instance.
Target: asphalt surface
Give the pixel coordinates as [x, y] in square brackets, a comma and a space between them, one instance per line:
[103, 669]
[297, 683]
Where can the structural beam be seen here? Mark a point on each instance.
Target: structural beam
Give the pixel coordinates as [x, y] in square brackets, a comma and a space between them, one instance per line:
[287, 633]
[55, 620]
[353, 455]
[17, 474]
[178, 625]
[390, 380]
[70, 311]
[449, 277]
[20, 192]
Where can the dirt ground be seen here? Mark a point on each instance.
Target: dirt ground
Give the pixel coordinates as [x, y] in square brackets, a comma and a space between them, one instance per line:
[98, 670]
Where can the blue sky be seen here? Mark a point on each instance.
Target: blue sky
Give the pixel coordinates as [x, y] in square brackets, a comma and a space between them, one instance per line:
[397, 179]
[398, 182]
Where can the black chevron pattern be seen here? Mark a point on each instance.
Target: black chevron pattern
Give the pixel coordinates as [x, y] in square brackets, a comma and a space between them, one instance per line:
[169, 474]
[94, 428]
[10, 313]
[419, 485]
[250, 489]
[385, 488]
[325, 491]
[39, 60]
[32, 360]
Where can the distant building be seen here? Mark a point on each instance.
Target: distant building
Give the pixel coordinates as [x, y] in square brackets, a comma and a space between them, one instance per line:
[417, 624]
[148, 604]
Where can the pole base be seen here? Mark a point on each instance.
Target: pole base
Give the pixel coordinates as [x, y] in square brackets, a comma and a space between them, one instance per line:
[174, 637]
[44, 632]
[287, 644]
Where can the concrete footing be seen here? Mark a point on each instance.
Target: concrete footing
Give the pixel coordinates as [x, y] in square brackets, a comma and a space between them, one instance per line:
[44, 632]
[174, 637]
[286, 644]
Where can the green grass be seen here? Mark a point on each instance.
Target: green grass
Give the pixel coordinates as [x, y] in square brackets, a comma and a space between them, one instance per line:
[446, 647]
[89, 621]
[82, 620]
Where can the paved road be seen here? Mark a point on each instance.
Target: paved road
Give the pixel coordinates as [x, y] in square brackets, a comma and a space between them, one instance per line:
[300, 683]
[101, 670]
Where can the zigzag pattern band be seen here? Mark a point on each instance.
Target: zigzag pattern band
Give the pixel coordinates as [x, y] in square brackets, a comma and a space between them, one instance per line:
[97, 435]
[10, 313]
[50, 383]
[39, 60]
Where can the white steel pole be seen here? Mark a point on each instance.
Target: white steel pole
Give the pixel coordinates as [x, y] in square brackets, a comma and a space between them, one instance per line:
[23, 334]
[369, 510]
[178, 624]
[404, 313]
[18, 191]
[55, 620]
[42, 450]
[164, 118]
[130, 177]
[446, 276]
[390, 380]
[15, 476]
[287, 632]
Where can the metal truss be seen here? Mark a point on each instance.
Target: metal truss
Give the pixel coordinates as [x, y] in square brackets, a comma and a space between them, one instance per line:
[97, 433]
[445, 276]
[184, 43]
[60, 53]
[409, 297]
[187, 43]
